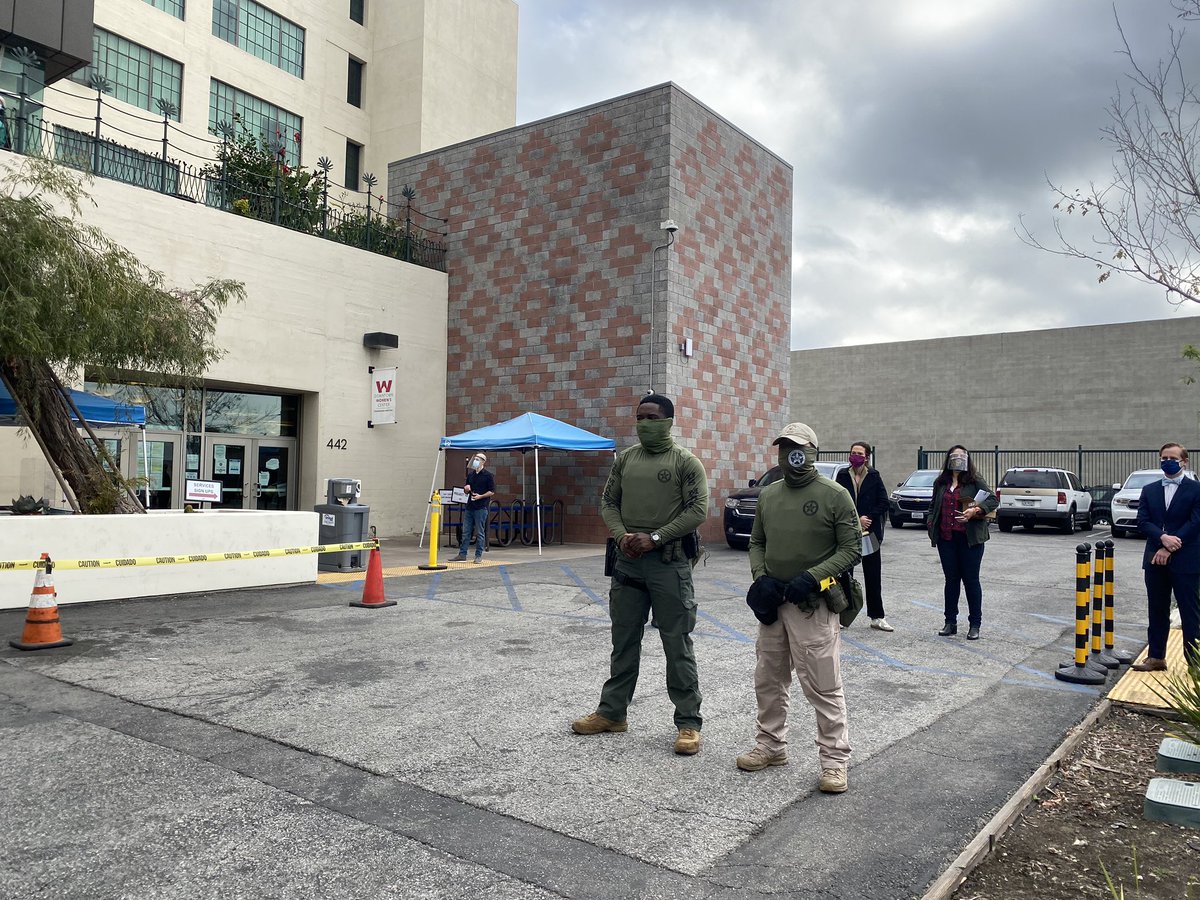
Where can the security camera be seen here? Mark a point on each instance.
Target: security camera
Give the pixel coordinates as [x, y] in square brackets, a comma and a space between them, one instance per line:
[669, 225]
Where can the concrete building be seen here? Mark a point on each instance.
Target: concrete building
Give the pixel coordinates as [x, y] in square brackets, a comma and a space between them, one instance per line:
[560, 304]
[1110, 387]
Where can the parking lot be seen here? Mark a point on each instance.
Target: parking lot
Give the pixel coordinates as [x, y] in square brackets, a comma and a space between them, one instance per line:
[280, 743]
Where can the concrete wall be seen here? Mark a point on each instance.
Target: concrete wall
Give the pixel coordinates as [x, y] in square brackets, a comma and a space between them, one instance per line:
[552, 229]
[1102, 386]
[157, 534]
[308, 304]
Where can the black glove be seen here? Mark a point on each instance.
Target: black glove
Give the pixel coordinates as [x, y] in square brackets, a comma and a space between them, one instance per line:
[801, 589]
[764, 598]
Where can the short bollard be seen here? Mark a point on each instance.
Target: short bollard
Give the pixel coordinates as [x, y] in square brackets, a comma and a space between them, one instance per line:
[1124, 657]
[435, 525]
[1078, 671]
[1098, 655]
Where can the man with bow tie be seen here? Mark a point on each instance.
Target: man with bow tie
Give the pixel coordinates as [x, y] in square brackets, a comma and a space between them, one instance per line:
[1169, 517]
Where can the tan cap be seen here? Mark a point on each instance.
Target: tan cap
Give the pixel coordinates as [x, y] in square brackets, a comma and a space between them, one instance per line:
[797, 433]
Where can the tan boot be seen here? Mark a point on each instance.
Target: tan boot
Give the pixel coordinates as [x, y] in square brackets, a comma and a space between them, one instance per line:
[594, 723]
[1150, 664]
[833, 781]
[688, 742]
[760, 757]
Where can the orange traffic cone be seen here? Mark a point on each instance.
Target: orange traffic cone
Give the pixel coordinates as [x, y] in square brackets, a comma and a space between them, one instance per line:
[373, 587]
[42, 627]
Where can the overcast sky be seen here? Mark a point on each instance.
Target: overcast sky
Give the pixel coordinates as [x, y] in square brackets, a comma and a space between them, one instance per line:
[919, 131]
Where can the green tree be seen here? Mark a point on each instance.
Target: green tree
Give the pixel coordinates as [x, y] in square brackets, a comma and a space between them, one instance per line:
[71, 298]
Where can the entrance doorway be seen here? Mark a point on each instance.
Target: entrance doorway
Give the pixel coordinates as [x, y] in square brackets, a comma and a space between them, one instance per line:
[254, 473]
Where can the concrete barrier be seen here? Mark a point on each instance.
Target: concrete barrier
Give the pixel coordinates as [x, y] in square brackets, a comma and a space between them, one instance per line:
[156, 534]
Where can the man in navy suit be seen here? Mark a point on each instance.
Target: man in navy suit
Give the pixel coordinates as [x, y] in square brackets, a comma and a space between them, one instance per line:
[1169, 517]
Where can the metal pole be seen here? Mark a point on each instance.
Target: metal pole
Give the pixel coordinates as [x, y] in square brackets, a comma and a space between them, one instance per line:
[654, 299]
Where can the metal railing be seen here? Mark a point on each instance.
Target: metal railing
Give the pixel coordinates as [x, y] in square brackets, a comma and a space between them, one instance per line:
[279, 193]
[1094, 467]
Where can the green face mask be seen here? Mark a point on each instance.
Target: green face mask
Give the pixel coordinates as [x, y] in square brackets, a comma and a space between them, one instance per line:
[797, 465]
[655, 434]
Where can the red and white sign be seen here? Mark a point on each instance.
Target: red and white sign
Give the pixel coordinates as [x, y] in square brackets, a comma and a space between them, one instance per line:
[202, 491]
[383, 397]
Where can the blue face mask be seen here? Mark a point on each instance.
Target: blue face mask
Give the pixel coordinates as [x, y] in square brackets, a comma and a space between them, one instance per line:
[1171, 467]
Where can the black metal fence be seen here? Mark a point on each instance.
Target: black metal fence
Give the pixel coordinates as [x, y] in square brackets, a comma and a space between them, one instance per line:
[301, 204]
[1094, 467]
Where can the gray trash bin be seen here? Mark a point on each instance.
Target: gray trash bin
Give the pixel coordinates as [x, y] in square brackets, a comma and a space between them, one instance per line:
[343, 521]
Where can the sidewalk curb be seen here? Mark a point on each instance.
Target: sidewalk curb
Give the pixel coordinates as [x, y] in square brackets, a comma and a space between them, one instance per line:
[985, 842]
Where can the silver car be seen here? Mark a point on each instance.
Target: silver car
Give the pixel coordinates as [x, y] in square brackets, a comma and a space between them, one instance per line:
[1125, 500]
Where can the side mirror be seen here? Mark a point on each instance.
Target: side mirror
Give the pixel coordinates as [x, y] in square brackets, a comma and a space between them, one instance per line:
[753, 482]
[899, 484]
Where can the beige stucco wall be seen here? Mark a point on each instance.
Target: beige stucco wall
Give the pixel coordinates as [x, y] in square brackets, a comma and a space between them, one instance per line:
[437, 72]
[308, 304]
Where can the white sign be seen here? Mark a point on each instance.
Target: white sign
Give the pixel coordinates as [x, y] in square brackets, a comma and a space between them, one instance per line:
[273, 463]
[328, 519]
[202, 491]
[383, 397]
[458, 495]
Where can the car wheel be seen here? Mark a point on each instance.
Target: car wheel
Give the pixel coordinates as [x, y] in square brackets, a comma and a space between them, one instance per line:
[896, 523]
[736, 544]
[1118, 532]
[1068, 527]
[1005, 525]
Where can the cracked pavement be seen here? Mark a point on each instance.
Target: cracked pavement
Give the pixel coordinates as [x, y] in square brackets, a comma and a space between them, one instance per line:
[278, 743]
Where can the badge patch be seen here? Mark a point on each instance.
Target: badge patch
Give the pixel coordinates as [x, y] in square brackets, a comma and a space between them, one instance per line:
[810, 508]
[664, 475]
[796, 459]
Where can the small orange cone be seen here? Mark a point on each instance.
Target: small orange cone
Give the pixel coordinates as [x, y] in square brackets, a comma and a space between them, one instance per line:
[42, 627]
[373, 587]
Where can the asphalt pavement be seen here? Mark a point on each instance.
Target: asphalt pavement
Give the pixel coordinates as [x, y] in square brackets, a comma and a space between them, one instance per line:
[280, 743]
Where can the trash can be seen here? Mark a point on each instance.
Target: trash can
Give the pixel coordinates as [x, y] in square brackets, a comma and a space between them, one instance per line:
[343, 521]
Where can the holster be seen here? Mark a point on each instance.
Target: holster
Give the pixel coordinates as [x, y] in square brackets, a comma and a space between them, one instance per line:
[610, 557]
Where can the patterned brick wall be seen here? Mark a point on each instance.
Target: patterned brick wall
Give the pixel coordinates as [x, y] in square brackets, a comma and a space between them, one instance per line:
[552, 226]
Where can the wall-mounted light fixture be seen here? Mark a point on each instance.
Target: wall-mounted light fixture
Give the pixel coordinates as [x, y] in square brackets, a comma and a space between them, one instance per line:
[380, 340]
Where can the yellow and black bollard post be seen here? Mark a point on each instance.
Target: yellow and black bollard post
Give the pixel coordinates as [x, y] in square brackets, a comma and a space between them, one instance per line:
[1098, 656]
[1078, 671]
[435, 531]
[1124, 657]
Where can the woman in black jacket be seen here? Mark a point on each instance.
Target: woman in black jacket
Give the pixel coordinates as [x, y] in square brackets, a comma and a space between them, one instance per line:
[871, 500]
[958, 527]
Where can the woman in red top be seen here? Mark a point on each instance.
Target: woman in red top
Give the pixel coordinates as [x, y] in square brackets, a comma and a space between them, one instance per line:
[958, 527]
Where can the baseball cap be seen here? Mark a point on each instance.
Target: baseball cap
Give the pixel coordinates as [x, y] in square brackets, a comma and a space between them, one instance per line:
[797, 433]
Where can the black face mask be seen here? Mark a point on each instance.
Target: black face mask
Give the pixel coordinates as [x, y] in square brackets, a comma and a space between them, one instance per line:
[797, 464]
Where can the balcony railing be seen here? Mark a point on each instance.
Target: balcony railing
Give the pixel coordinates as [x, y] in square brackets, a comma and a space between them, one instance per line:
[219, 177]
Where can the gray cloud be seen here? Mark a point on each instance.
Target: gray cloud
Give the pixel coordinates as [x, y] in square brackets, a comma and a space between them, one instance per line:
[919, 131]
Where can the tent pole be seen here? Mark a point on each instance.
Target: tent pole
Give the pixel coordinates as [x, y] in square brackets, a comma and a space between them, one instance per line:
[537, 480]
[425, 524]
[146, 464]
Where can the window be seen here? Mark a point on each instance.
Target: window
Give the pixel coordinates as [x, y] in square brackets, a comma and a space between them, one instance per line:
[354, 79]
[174, 7]
[357, 10]
[257, 30]
[228, 104]
[136, 74]
[353, 163]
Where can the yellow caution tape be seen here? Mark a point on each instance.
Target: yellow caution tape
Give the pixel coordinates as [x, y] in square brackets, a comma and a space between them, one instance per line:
[182, 558]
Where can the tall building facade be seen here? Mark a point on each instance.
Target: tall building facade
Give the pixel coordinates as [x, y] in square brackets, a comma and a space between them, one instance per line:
[559, 302]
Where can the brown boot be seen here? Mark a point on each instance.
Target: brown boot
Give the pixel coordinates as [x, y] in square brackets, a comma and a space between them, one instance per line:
[594, 723]
[688, 742]
[1150, 664]
[833, 781]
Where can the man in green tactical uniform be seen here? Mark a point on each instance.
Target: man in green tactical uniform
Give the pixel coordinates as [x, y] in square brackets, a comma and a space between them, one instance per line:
[806, 530]
[655, 498]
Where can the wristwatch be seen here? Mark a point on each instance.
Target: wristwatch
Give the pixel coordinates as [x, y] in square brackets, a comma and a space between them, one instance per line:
[657, 538]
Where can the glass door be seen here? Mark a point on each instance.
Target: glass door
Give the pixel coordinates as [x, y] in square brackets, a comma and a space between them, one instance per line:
[155, 471]
[272, 479]
[226, 462]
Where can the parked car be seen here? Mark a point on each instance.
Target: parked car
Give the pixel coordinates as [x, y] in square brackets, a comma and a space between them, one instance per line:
[1125, 500]
[1101, 504]
[1033, 496]
[741, 505]
[909, 503]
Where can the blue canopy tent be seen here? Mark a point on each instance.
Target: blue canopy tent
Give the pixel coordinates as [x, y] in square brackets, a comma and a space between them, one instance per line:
[529, 431]
[96, 410]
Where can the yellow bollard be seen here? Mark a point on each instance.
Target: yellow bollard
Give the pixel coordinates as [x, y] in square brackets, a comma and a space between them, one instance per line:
[1080, 672]
[435, 531]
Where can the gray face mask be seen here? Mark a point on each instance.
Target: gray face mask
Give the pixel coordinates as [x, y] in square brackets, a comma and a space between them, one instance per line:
[476, 465]
[958, 464]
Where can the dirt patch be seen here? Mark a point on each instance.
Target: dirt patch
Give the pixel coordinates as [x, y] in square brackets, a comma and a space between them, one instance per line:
[1089, 814]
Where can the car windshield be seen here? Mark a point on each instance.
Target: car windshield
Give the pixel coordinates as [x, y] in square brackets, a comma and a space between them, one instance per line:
[770, 478]
[921, 479]
[1027, 478]
[829, 469]
[1139, 480]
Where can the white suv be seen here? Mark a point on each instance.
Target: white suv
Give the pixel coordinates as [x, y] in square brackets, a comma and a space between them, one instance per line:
[1125, 500]
[1033, 496]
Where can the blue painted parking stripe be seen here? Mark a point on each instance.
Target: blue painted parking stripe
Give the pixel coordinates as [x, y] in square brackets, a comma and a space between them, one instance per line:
[508, 585]
[583, 587]
[732, 632]
[433, 586]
